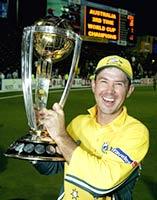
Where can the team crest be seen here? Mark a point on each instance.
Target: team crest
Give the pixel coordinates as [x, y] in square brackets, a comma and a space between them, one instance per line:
[74, 194]
[105, 147]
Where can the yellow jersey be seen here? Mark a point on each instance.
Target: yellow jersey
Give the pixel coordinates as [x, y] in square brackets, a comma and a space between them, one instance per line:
[105, 157]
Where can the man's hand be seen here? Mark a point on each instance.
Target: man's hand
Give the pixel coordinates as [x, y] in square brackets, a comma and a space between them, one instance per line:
[54, 122]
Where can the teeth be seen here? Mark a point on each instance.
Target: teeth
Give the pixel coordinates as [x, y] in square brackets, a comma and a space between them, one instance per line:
[107, 99]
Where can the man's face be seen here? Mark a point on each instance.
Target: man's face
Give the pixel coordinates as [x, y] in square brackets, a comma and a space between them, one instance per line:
[111, 88]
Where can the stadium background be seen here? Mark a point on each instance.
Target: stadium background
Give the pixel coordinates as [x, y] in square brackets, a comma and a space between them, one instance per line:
[18, 178]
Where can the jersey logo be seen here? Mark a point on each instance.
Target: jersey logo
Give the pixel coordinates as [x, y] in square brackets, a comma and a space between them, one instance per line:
[105, 147]
[74, 194]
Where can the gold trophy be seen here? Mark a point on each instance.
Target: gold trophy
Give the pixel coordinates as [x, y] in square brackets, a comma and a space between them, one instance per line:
[43, 44]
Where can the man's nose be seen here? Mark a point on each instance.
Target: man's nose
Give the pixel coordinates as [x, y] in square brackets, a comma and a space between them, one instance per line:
[111, 88]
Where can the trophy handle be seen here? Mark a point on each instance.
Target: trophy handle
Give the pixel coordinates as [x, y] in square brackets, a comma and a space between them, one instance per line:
[27, 76]
[74, 64]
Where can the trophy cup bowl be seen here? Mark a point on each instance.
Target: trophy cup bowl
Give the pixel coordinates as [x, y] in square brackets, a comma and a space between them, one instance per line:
[43, 44]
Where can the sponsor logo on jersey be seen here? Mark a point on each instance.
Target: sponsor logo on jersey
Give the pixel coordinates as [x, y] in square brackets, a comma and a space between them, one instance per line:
[121, 155]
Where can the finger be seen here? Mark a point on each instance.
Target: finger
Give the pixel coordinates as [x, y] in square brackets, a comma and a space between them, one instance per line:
[51, 113]
[42, 111]
[58, 150]
[56, 107]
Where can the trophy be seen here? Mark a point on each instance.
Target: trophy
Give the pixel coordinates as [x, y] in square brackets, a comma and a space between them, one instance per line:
[43, 44]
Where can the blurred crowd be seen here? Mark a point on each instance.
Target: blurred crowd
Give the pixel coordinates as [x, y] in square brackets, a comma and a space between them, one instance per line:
[144, 64]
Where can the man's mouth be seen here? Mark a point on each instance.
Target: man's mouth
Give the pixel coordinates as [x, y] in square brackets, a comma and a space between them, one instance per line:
[110, 100]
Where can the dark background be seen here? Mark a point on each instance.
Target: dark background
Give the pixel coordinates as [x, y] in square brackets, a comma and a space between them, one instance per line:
[145, 12]
[31, 10]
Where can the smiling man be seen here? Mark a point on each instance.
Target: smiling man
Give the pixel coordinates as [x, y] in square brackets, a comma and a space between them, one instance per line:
[104, 148]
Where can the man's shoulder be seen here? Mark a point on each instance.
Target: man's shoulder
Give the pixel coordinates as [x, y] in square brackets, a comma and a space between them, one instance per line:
[134, 120]
[135, 124]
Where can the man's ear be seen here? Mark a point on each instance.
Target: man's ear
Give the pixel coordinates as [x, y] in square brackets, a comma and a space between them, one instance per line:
[130, 91]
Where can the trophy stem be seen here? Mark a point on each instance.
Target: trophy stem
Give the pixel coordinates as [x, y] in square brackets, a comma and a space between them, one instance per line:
[43, 76]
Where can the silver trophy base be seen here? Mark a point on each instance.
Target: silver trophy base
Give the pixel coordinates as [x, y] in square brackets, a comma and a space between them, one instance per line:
[28, 149]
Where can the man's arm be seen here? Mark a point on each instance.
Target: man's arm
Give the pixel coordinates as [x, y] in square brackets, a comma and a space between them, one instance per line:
[49, 168]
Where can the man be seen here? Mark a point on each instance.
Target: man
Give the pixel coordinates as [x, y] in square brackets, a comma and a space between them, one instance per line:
[103, 149]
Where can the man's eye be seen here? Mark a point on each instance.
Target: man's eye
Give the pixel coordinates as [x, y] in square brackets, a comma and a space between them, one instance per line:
[119, 84]
[103, 81]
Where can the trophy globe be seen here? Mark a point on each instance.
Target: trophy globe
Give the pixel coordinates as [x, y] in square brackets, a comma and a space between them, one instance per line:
[49, 48]
[48, 41]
